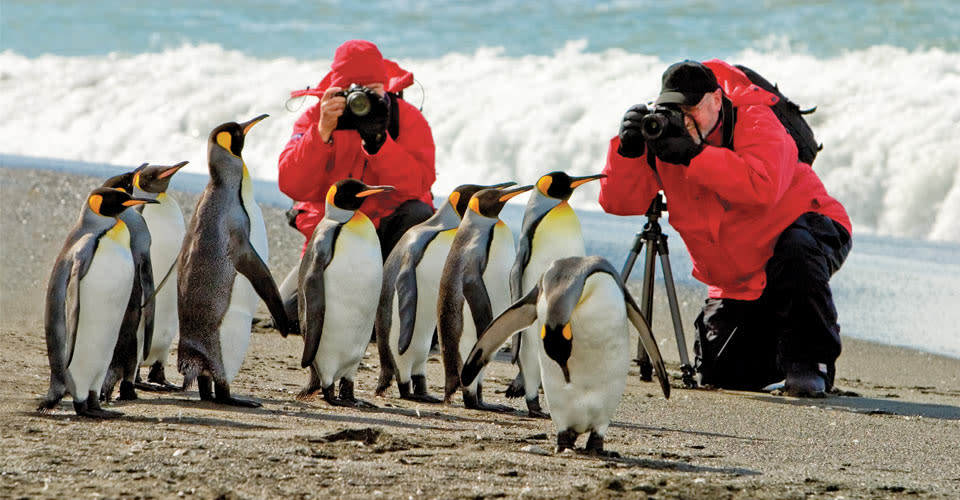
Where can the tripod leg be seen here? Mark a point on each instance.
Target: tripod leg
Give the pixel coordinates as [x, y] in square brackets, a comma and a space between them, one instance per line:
[685, 367]
[646, 307]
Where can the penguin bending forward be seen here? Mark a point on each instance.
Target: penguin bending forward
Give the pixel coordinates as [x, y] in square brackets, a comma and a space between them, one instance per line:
[584, 311]
[165, 222]
[136, 331]
[407, 313]
[550, 231]
[340, 273]
[215, 305]
[87, 299]
[474, 287]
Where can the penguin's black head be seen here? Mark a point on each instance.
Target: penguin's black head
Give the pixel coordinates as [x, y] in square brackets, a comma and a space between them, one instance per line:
[559, 185]
[123, 182]
[110, 202]
[155, 178]
[349, 194]
[230, 135]
[488, 202]
[460, 196]
[558, 343]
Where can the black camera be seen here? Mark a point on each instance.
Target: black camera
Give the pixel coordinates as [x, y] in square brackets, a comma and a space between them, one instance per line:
[363, 105]
[662, 121]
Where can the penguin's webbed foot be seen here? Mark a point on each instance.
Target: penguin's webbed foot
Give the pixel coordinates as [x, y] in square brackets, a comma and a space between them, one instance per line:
[566, 440]
[127, 392]
[91, 408]
[534, 410]
[420, 392]
[595, 447]
[475, 402]
[515, 389]
[223, 397]
[347, 397]
[158, 379]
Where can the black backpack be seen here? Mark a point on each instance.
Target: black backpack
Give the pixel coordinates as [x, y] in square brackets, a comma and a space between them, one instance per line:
[791, 116]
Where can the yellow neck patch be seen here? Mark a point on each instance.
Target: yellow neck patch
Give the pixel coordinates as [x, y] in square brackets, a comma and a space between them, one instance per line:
[119, 233]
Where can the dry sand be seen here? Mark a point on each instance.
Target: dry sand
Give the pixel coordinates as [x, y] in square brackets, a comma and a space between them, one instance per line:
[897, 439]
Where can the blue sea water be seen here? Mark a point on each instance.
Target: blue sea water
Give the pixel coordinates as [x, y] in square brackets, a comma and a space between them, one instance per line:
[517, 89]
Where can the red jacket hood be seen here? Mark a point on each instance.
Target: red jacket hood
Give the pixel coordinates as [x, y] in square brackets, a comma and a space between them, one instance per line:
[737, 87]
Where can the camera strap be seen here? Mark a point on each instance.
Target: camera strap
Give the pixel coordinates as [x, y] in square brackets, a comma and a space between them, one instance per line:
[393, 127]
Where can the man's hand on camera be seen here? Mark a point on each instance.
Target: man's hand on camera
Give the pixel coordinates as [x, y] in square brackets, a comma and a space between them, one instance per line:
[631, 140]
[679, 149]
[331, 108]
[373, 129]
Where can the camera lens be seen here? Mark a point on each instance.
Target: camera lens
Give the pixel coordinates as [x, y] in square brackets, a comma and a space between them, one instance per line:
[652, 125]
[359, 103]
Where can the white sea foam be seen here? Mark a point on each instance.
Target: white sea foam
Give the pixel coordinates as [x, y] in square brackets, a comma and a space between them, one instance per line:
[888, 117]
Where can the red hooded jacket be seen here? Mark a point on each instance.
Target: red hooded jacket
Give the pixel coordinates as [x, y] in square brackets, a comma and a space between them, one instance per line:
[308, 166]
[729, 206]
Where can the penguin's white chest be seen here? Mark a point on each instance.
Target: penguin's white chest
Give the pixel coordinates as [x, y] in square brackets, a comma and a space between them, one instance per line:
[235, 327]
[598, 363]
[104, 293]
[351, 285]
[557, 236]
[167, 229]
[496, 276]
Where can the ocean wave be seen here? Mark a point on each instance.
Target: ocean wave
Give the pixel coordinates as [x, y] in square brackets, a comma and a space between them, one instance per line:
[887, 116]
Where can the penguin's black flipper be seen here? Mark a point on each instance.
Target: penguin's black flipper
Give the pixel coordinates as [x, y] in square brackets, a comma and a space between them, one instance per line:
[648, 341]
[475, 293]
[251, 265]
[149, 306]
[311, 310]
[517, 317]
[407, 302]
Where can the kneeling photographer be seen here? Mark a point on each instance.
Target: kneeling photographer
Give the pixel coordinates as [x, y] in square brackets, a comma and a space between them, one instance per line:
[363, 129]
[761, 230]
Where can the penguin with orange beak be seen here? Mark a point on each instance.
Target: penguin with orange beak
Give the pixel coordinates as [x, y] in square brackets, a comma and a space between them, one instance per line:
[87, 300]
[340, 277]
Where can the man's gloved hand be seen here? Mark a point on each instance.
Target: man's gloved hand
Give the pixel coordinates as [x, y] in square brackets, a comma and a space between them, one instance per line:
[373, 129]
[679, 150]
[631, 140]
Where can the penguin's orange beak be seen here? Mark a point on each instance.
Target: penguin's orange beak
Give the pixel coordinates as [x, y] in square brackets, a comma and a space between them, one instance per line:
[249, 125]
[510, 193]
[577, 181]
[375, 190]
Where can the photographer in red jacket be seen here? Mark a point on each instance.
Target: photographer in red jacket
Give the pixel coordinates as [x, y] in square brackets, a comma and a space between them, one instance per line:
[330, 143]
[761, 230]
[395, 149]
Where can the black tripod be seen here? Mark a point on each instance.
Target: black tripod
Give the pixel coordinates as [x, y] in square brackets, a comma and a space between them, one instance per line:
[656, 242]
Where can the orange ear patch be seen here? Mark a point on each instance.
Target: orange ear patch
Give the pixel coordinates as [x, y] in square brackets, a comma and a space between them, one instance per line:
[95, 201]
[331, 193]
[474, 205]
[567, 332]
[544, 183]
[225, 139]
[454, 198]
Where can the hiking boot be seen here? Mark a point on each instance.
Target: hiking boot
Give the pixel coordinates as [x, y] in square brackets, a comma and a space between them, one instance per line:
[806, 380]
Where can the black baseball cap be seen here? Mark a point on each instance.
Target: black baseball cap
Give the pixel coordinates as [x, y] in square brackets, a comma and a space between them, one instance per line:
[686, 82]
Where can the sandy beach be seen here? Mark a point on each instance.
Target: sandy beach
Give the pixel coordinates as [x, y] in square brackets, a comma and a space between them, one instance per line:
[893, 432]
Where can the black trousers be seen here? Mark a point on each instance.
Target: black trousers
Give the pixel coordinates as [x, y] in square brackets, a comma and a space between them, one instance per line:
[408, 214]
[747, 345]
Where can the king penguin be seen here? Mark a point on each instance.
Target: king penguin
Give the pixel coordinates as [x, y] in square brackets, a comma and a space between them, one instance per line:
[136, 331]
[340, 272]
[88, 297]
[215, 305]
[584, 311]
[165, 222]
[550, 230]
[407, 314]
[474, 287]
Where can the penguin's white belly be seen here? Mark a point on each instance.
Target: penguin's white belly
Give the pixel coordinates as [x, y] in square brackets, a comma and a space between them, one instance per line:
[103, 294]
[496, 276]
[598, 362]
[235, 328]
[429, 271]
[167, 229]
[351, 284]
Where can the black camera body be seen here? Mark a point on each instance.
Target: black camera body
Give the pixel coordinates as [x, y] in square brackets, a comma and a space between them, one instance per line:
[363, 105]
[662, 121]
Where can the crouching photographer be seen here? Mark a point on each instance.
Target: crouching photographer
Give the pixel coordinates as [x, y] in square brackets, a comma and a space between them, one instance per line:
[363, 129]
[761, 230]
